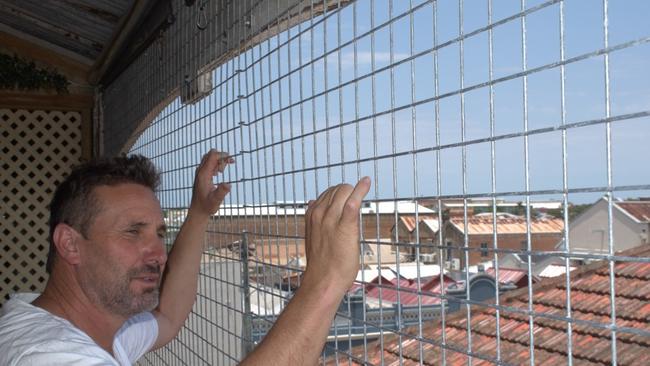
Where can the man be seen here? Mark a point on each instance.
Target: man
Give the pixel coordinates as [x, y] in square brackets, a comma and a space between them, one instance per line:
[107, 302]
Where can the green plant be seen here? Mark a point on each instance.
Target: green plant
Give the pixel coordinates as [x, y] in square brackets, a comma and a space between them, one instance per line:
[17, 73]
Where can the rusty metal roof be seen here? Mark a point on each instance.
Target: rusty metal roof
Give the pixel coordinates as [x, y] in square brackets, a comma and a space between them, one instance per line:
[514, 276]
[409, 221]
[507, 225]
[81, 27]
[406, 292]
[590, 302]
[640, 210]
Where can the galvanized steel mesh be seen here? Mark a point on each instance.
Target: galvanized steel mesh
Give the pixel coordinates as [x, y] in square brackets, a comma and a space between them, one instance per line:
[453, 108]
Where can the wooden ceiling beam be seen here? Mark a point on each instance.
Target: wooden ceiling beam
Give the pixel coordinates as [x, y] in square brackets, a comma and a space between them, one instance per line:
[46, 101]
[125, 26]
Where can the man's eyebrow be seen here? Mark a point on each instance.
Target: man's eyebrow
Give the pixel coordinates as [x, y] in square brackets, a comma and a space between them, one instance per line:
[140, 224]
[136, 225]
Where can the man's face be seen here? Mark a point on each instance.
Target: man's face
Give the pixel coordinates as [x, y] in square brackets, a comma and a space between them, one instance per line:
[123, 258]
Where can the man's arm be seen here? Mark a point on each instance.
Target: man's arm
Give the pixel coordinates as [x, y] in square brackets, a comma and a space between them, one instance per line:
[332, 245]
[178, 290]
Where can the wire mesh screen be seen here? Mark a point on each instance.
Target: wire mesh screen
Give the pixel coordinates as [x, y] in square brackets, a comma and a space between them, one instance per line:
[506, 141]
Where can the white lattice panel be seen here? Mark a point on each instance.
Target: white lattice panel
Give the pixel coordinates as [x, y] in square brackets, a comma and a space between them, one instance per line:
[38, 150]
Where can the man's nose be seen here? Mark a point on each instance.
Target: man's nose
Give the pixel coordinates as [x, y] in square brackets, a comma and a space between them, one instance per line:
[155, 251]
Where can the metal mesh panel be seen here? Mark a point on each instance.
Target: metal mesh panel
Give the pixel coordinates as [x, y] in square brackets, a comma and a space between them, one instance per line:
[192, 42]
[487, 127]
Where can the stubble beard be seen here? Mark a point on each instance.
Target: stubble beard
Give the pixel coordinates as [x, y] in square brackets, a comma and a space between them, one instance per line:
[117, 297]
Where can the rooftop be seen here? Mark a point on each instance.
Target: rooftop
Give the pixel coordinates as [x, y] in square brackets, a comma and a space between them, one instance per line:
[510, 275]
[590, 306]
[410, 224]
[507, 225]
[298, 208]
[639, 210]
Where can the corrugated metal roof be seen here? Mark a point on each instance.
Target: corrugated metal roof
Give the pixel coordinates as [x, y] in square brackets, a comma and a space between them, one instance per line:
[640, 210]
[433, 224]
[590, 301]
[413, 270]
[299, 208]
[554, 270]
[406, 291]
[508, 275]
[409, 221]
[508, 225]
[82, 27]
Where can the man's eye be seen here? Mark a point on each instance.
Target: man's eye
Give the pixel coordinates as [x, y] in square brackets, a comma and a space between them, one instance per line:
[162, 235]
[133, 231]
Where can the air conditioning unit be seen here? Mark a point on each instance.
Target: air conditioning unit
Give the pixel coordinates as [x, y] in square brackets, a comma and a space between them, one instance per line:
[455, 264]
[448, 265]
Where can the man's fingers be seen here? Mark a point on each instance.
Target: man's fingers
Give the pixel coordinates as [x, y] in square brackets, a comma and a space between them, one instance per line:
[214, 162]
[308, 223]
[223, 162]
[353, 203]
[219, 194]
[321, 202]
[336, 202]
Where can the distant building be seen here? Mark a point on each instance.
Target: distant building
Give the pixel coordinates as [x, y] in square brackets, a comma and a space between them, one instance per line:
[486, 204]
[511, 234]
[285, 222]
[588, 233]
[543, 265]
[423, 233]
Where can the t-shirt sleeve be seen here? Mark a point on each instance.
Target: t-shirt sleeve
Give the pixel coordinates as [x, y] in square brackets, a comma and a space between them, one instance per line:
[61, 352]
[136, 337]
[62, 358]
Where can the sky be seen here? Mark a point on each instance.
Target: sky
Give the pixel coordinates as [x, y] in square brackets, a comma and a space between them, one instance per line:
[351, 130]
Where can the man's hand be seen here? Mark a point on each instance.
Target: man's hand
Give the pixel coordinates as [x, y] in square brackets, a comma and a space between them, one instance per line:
[332, 236]
[179, 286]
[332, 244]
[206, 197]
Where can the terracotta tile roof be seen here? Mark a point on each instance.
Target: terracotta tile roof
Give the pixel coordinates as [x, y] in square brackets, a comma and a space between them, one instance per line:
[640, 210]
[590, 302]
[508, 225]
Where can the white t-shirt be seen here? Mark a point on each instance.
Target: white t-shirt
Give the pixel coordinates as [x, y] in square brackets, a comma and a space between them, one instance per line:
[30, 335]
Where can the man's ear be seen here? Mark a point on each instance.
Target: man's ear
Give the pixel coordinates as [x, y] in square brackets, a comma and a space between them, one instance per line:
[66, 239]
